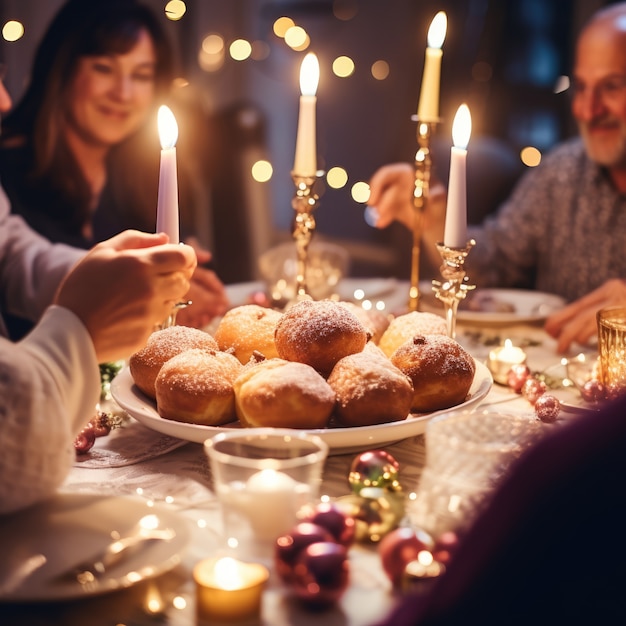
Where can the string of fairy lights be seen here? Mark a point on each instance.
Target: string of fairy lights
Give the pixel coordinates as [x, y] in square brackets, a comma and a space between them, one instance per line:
[215, 51]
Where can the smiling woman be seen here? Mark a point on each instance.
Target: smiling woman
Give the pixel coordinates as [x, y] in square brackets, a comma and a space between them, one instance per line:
[79, 154]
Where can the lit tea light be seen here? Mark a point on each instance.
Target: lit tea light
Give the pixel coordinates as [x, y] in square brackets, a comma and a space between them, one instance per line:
[501, 360]
[229, 590]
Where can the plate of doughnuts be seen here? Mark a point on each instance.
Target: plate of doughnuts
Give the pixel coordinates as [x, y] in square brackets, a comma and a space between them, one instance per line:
[341, 440]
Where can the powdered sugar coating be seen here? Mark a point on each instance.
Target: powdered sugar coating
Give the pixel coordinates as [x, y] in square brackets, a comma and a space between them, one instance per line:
[319, 333]
[404, 327]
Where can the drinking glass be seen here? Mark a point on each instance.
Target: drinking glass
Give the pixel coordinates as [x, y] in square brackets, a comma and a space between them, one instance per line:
[467, 454]
[612, 347]
[263, 477]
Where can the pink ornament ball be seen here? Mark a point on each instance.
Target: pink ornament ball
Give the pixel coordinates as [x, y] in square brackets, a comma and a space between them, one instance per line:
[532, 389]
[401, 546]
[547, 408]
[517, 376]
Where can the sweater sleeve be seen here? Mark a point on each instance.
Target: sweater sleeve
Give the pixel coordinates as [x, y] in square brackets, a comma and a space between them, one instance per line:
[49, 386]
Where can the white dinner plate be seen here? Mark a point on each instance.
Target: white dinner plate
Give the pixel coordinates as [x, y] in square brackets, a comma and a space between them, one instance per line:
[524, 305]
[71, 528]
[339, 440]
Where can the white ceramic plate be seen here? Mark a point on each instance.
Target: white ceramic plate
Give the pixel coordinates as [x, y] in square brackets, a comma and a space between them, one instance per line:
[526, 306]
[339, 440]
[71, 528]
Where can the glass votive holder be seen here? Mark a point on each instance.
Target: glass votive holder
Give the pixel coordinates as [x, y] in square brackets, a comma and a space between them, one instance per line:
[467, 455]
[502, 359]
[327, 263]
[262, 478]
[612, 347]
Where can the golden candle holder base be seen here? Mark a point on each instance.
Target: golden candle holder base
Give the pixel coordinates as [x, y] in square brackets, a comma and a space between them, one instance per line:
[304, 204]
[423, 166]
[454, 286]
[171, 318]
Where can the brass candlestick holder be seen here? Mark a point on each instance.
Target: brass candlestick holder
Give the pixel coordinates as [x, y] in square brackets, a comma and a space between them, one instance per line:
[171, 318]
[304, 204]
[454, 286]
[423, 165]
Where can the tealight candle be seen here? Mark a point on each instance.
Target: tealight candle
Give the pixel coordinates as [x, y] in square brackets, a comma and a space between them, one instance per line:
[502, 359]
[229, 590]
[428, 107]
[305, 163]
[167, 203]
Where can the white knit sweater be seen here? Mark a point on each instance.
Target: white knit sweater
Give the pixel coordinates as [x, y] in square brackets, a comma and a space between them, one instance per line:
[49, 385]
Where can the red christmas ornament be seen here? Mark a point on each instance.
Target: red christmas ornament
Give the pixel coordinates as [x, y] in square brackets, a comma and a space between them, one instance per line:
[593, 391]
[517, 376]
[547, 408]
[532, 389]
[401, 546]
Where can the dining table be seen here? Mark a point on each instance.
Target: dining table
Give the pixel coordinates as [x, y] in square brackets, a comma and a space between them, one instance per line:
[136, 467]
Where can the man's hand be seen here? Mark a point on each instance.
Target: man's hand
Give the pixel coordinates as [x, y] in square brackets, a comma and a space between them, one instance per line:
[577, 321]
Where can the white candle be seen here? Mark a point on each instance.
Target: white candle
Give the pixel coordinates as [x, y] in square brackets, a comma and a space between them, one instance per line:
[167, 204]
[305, 163]
[455, 234]
[428, 107]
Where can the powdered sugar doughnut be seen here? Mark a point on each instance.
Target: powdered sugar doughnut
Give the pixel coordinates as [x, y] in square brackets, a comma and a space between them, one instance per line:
[196, 386]
[319, 334]
[246, 329]
[370, 390]
[161, 346]
[405, 327]
[441, 370]
[283, 394]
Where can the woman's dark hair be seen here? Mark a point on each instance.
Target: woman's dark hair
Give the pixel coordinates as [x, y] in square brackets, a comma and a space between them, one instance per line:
[81, 28]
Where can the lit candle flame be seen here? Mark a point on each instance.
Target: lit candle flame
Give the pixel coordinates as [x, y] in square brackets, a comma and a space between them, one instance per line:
[462, 127]
[437, 30]
[309, 75]
[168, 128]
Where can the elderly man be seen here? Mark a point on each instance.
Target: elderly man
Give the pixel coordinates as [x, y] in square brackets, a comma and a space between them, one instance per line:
[564, 227]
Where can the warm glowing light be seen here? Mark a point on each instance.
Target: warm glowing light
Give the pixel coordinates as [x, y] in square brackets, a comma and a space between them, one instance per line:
[175, 9]
[336, 177]
[437, 30]
[212, 53]
[530, 156]
[178, 602]
[168, 128]
[262, 171]
[240, 49]
[282, 25]
[562, 84]
[180, 82]
[425, 557]
[213, 43]
[12, 30]
[295, 36]
[380, 70]
[309, 75]
[343, 66]
[462, 127]
[360, 192]
[228, 573]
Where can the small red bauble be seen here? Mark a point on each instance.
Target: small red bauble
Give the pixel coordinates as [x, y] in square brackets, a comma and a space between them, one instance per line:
[547, 408]
[321, 574]
[328, 515]
[593, 391]
[517, 376]
[401, 546]
[532, 389]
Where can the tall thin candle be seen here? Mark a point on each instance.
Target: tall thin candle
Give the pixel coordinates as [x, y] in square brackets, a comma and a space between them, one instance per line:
[455, 234]
[428, 107]
[167, 204]
[305, 163]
